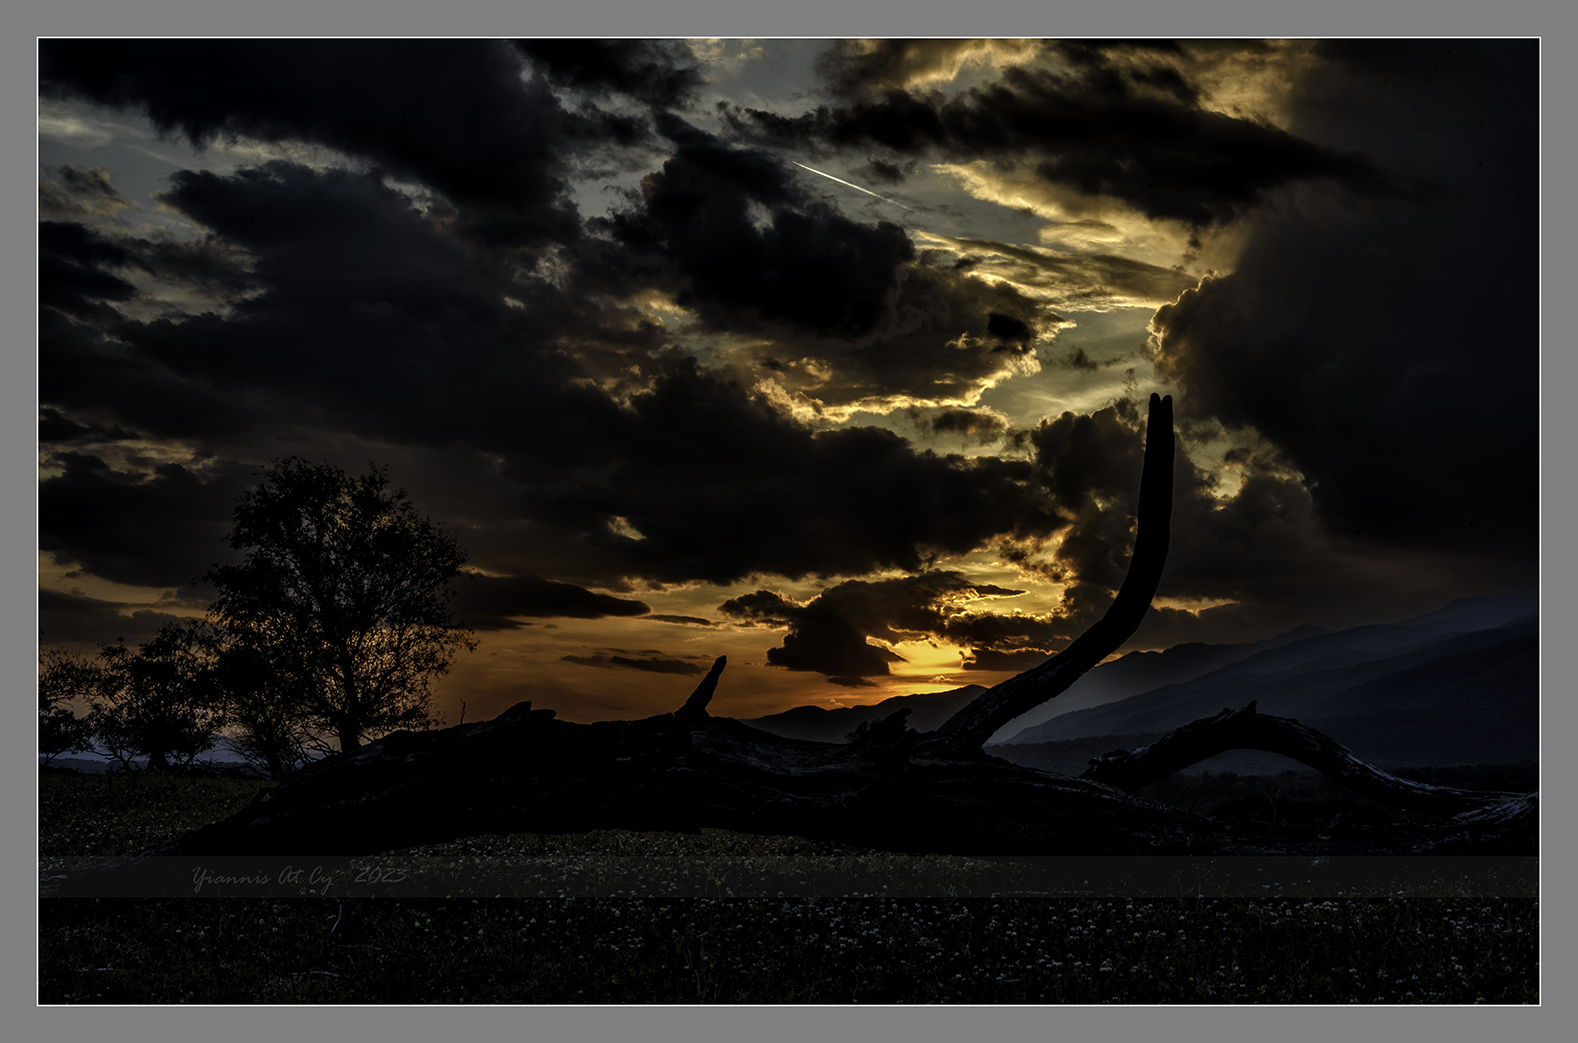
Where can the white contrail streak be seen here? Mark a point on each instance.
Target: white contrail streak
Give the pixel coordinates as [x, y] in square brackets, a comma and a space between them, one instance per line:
[857, 188]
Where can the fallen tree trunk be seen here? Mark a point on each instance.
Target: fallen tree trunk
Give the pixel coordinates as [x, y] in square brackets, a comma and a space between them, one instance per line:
[526, 771]
[937, 792]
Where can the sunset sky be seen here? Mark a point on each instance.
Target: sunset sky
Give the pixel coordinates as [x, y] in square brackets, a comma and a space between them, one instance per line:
[829, 356]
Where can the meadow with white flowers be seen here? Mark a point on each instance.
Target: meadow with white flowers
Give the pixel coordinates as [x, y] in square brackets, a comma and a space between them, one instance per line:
[1418, 948]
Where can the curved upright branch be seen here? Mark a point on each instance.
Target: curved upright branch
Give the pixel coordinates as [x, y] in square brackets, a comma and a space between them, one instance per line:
[976, 723]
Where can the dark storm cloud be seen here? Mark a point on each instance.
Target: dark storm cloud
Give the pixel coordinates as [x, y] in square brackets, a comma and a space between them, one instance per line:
[1425, 62]
[492, 602]
[991, 631]
[853, 313]
[55, 428]
[658, 72]
[982, 428]
[858, 67]
[74, 275]
[76, 620]
[1078, 279]
[80, 194]
[158, 530]
[853, 67]
[1130, 60]
[692, 621]
[808, 265]
[208, 263]
[722, 486]
[1093, 454]
[934, 345]
[888, 173]
[1123, 131]
[655, 662]
[200, 376]
[344, 263]
[1358, 341]
[82, 268]
[1090, 464]
[828, 634]
[988, 659]
[370, 319]
[820, 638]
[1006, 327]
[455, 115]
[1256, 544]
[1079, 359]
[372, 322]
[334, 311]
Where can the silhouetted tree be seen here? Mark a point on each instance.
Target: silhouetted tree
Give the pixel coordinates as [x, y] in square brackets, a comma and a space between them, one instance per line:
[62, 678]
[347, 589]
[266, 715]
[160, 700]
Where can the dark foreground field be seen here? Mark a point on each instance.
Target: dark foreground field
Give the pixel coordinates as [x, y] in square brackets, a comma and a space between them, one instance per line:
[1429, 946]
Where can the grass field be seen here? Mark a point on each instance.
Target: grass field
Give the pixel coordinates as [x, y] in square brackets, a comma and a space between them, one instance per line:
[1408, 950]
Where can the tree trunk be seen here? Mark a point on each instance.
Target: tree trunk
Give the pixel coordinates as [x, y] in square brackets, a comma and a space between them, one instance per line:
[348, 721]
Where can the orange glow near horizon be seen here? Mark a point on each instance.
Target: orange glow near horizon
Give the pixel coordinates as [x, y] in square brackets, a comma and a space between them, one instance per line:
[510, 666]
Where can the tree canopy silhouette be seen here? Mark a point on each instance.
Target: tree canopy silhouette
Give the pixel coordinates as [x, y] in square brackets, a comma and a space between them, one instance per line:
[348, 588]
[158, 700]
[266, 716]
[62, 678]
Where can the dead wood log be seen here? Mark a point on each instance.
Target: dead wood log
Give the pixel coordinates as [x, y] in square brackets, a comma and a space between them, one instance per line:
[1247, 730]
[530, 772]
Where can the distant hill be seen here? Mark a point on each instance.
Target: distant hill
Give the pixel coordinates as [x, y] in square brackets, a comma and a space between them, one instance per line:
[819, 724]
[1363, 670]
[1389, 745]
[96, 762]
[1305, 648]
[1364, 682]
[1460, 685]
[95, 765]
[1139, 672]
